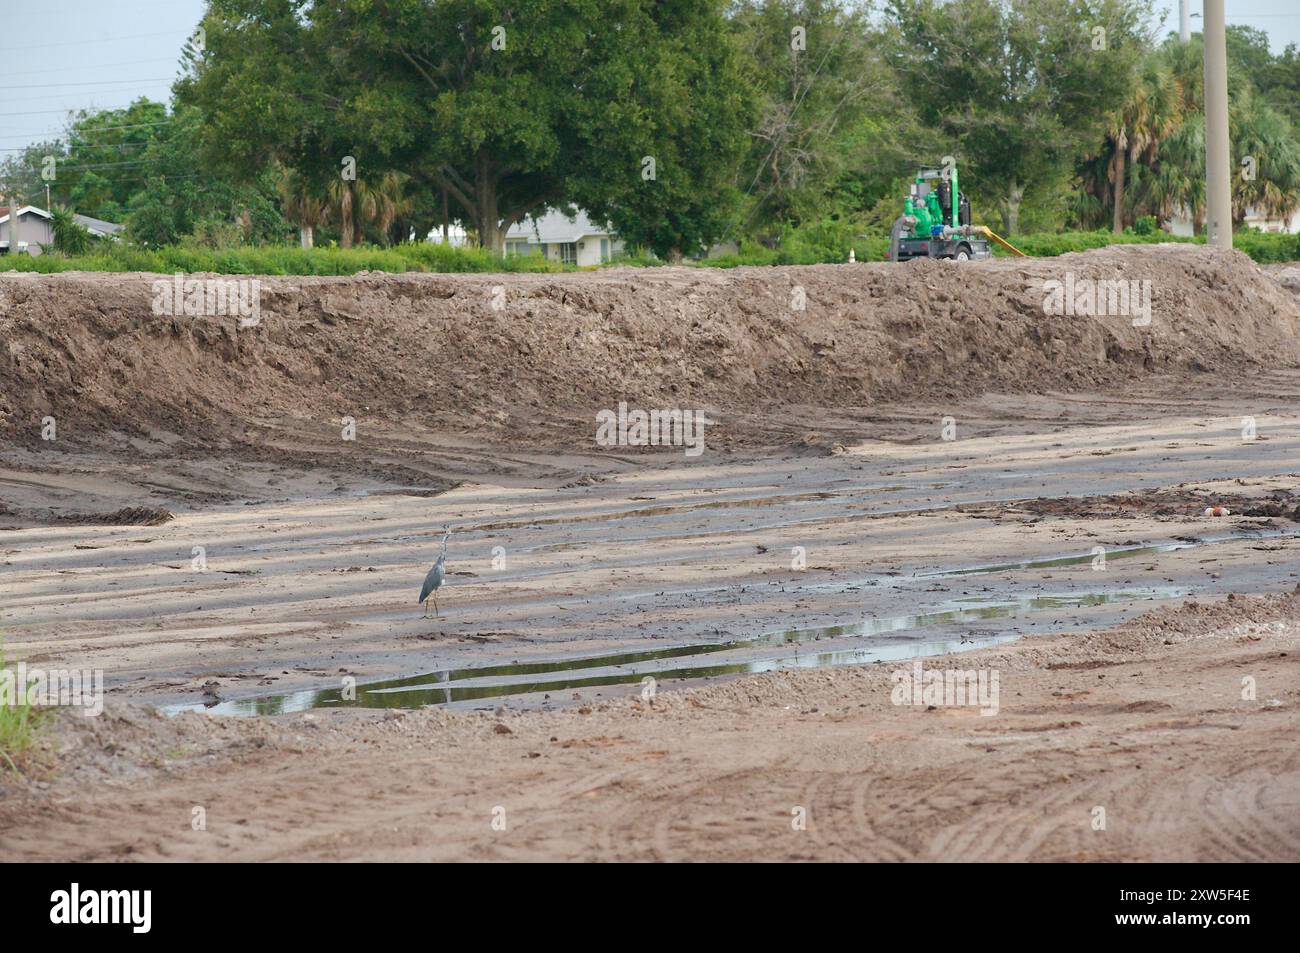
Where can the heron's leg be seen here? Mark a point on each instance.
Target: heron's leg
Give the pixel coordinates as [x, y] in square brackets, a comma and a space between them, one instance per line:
[435, 603]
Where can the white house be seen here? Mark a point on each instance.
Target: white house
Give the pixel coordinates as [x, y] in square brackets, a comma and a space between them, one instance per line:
[575, 241]
[36, 230]
[1257, 219]
[1181, 223]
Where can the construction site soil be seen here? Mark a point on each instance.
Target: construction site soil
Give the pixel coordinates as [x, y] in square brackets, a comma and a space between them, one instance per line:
[901, 462]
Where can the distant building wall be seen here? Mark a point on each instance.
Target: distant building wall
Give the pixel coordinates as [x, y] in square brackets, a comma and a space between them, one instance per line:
[33, 229]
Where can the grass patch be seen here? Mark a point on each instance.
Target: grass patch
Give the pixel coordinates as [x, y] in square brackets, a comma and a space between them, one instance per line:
[816, 243]
[18, 726]
[283, 260]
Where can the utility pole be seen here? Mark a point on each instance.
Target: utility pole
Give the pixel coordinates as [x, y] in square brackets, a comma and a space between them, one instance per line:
[1218, 195]
[13, 223]
[1184, 21]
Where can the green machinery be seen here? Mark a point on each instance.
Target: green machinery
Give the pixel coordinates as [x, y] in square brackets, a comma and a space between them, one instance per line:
[936, 222]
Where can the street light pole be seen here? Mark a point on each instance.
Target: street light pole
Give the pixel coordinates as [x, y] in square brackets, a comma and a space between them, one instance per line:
[1218, 196]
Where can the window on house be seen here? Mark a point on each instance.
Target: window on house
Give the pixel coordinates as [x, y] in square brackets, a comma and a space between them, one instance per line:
[604, 249]
[569, 253]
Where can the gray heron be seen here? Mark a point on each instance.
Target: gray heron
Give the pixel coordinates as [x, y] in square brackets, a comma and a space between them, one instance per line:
[434, 579]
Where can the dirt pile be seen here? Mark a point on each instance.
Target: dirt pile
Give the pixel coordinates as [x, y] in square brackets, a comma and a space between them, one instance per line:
[536, 355]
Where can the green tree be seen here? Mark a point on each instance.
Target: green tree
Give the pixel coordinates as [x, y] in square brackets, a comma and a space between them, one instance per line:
[508, 106]
[141, 166]
[70, 236]
[824, 90]
[1019, 88]
[1279, 83]
[664, 133]
[304, 204]
[1266, 157]
[1168, 176]
[1150, 114]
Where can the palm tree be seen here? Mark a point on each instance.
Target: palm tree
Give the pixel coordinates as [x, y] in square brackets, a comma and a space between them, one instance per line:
[1153, 111]
[392, 202]
[70, 236]
[362, 201]
[1178, 182]
[1264, 134]
[356, 203]
[303, 204]
[1256, 130]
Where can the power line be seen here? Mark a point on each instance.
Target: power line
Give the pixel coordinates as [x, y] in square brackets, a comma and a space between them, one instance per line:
[65, 69]
[44, 112]
[133, 6]
[101, 39]
[101, 82]
[97, 94]
[132, 125]
[83, 144]
[97, 165]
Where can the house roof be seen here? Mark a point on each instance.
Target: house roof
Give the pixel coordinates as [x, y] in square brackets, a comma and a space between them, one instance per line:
[23, 210]
[96, 225]
[555, 227]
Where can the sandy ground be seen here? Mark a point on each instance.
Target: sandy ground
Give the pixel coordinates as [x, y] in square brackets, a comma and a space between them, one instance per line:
[299, 591]
[825, 532]
[1133, 744]
[1145, 721]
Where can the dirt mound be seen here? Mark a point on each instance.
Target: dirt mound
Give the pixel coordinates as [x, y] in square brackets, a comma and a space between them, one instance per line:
[126, 516]
[535, 356]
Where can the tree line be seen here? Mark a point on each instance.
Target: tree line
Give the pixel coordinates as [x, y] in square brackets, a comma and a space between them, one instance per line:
[680, 122]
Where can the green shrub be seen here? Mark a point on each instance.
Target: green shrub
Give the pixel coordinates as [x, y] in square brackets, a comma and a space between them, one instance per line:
[813, 243]
[635, 258]
[18, 725]
[1268, 247]
[283, 260]
[1146, 225]
[1048, 245]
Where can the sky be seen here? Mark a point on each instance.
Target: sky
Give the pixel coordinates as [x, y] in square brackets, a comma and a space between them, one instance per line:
[62, 55]
[72, 54]
[1280, 19]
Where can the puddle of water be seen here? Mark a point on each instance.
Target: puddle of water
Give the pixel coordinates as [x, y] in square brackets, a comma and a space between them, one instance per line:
[436, 689]
[1118, 552]
[556, 675]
